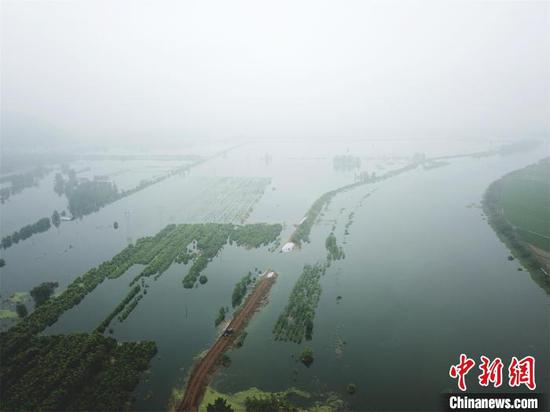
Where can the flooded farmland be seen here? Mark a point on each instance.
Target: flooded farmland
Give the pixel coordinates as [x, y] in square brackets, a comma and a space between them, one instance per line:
[424, 276]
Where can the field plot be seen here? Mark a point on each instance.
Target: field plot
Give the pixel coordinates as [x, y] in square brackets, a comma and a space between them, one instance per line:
[225, 200]
[526, 203]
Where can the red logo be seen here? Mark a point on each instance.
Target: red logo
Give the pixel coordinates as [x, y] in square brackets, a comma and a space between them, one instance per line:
[490, 372]
[461, 370]
[520, 372]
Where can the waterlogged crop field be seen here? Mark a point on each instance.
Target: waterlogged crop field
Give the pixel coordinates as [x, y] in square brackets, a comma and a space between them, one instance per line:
[225, 199]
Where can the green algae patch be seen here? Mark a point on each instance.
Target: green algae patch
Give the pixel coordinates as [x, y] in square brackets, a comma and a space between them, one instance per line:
[7, 314]
[19, 297]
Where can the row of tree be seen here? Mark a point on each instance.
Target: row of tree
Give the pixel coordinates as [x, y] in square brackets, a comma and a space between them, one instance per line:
[20, 181]
[41, 225]
[296, 321]
[240, 289]
[301, 234]
[335, 252]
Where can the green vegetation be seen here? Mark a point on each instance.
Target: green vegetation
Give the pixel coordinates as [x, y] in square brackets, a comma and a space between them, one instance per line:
[219, 405]
[21, 310]
[296, 321]
[131, 306]
[306, 357]
[330, 401]
[225, 361]
[518, 209]
[351, 388]
[302, 232]
[203, 279]
[239, 342]
[2, 263]
[206, 240]
[59, 184]
[524, 200]
[346, 162]
[42, 292]
[221, 316]
[56, 218]
[47, 313]
[21, 181]
[155, 252]
[240, 290]
[89, 196]
[18, 297]
[334, 251]
[273, 403]
[75, 372]
[349, 223]
[210, 240]
[41, 225]
[7, 314]
[133, 292]
[255, 235]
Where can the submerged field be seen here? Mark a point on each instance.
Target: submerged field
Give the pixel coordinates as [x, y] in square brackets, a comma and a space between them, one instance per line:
[405, 253]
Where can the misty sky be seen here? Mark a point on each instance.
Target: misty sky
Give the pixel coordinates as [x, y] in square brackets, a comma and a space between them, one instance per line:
[123, 71]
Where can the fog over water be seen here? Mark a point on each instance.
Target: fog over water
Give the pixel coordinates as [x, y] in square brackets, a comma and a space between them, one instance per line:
[147, 74]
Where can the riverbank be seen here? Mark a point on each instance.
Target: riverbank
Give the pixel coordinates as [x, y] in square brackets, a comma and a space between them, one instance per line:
[498, 203]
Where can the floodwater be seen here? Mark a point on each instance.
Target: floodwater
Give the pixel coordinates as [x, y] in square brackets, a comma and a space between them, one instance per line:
[424, 278]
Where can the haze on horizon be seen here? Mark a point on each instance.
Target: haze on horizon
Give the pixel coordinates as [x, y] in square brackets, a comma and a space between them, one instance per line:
[126, 72]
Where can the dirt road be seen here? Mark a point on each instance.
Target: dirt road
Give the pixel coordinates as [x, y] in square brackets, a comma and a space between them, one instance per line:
[198, 381]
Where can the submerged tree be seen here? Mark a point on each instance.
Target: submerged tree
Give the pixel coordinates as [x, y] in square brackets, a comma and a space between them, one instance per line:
[56, 219]
[42, 292]
[219, 405]
[21, 310]
[307, 356]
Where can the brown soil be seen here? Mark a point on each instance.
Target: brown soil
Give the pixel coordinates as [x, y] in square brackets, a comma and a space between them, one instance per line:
[203, 370]
[542, 256]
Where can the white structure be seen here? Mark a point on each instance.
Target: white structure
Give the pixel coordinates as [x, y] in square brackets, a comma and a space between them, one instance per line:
[288, 247]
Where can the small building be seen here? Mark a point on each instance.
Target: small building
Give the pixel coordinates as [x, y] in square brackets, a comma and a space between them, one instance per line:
[288, 247]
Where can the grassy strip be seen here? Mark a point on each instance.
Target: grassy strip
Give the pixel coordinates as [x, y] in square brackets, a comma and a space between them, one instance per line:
[133, 292]
[302, 232]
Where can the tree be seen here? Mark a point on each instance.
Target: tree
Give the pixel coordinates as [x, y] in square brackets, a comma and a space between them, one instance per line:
[115, 225]
[220, 405]
[59, 185]
[21, 310]
[56, 219]
[307, 356]
[42, 292]
[2, 263]
[270, 404]
[203, 279]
